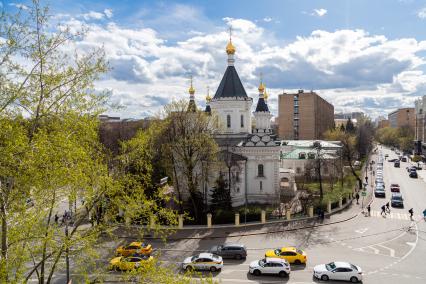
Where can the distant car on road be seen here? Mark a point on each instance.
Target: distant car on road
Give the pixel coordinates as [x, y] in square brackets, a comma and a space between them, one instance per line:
[130, 262]
[404, 159]
[203, 261]
[394, 187]
[397, 200]
[413, 174]
[270, 265]
[396, 164]
[379, 191]
[134, 247]
[392, 160]
[338, 271]
[386, 155]
[291, 254]
[237, 251]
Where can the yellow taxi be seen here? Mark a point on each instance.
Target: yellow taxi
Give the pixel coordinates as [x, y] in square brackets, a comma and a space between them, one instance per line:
[291, 254]
[134, 247]
[129, 263]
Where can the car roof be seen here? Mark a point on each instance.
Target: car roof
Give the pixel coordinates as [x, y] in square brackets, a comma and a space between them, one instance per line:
[233, 245]
[396, 194]
[342, 264]
[288, 249]
[135, 243]
[205, 255]
[275, 259]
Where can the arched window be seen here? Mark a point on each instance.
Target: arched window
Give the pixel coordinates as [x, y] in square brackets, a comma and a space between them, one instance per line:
[228, 121]
[260, 170]
[242, 121]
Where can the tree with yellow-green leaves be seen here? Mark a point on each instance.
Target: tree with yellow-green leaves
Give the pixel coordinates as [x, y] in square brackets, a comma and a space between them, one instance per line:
[50, 153]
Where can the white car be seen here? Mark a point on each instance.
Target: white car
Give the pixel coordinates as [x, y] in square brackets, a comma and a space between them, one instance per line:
[203, 261]
[338, 270]
[270, 265]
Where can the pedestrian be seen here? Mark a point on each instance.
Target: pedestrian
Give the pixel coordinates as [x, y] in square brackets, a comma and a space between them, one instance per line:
[373, 173]
[411, 211]
[387, 208]
[424, 214]
[369, 210]
[383, 210]
[357, 197]
[56, 218]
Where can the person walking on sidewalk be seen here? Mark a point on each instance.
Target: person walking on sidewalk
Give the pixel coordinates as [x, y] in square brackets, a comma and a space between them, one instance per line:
[411, 211]
[369, 210]
[357, 197]
[383, 210]
[387, 208]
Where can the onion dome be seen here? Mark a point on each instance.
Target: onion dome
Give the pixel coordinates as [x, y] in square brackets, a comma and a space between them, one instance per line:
[261, 87]
[230, 48]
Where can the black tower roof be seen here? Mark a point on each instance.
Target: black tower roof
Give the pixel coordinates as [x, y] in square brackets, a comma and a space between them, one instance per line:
[230, 86]
[261, 105]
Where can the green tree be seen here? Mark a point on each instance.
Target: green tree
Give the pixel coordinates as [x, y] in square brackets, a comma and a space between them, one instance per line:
[350, 127]
[188, 151]
[221, 196]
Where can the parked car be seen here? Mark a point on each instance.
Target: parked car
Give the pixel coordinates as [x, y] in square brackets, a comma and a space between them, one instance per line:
[338, 271]
[134, 247]
[270, 265]
[203, 261]
[411, 168]
[392, 160]
[291, 254]
[129, 263]
[404, 159]
[397, 200]
[379, 191]
[237, 251]
[413, 174]
[396, 164]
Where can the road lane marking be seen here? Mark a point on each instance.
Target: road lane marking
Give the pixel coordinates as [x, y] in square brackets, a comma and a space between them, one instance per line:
[391, 251]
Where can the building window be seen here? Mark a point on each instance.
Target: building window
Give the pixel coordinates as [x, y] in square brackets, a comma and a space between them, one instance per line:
[228, 121]
[302, 155]
[260, 170]
[296, 109]
[260, 186]
[242, 121]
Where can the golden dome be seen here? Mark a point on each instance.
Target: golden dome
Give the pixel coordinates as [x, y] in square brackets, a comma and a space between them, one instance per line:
[261, 87]
[208, 98]
[191, 90]
[230, 48]
[265, 95]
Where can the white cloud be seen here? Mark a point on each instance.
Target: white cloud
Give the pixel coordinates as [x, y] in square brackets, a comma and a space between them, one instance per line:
[422, 13]
[108, 13]
[92, 15]
[319, 12]
[19, 6]
[351, 68]
[267, 19]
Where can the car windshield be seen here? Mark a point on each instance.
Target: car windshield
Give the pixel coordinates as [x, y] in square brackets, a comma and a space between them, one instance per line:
[193, 258]
[262, 262]
[299, 251]
[398, 198]
[215, 257]
[330, 266]
[277, 252]
[354, 267]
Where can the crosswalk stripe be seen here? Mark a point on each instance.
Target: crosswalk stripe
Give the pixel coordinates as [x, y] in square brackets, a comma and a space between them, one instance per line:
[392, 215]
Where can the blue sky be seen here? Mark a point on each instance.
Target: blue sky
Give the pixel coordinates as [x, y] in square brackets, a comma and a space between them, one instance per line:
[359, 55]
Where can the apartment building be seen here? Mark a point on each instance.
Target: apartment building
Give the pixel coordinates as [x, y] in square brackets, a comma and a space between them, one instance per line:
[303, 116]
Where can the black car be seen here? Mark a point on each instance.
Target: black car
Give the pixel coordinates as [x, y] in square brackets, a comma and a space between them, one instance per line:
[396, 164]
[379, 191]
[413, 174]
[237, 251]
[404, 159]
[397, 200]
[392, 160]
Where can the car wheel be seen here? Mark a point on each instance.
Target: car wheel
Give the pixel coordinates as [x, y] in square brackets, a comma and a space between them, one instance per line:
[213, 269]
[257, 272]
[324, 278]
[189, 268]
[282, 274]
[238, 257]
[354, 279]
[297, 262]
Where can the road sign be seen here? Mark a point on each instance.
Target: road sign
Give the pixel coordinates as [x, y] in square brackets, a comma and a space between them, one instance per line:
[364, 193]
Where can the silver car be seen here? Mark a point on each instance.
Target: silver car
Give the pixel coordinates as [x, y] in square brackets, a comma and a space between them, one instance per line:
[203, 261]
[338, 270]
[270, 265]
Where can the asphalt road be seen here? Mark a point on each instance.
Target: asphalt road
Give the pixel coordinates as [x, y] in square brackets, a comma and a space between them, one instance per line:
[389, 249]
